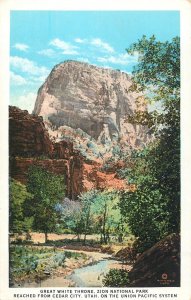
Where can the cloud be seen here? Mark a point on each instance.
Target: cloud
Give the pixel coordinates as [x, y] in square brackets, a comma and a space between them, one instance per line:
[47, 52]
[80, 41]
[17, 79]
[21, 47]
[121, 59]
[96, 42]
[28, 66]
[67, 48]
[25, 101]
[102, 45]
[38, 79]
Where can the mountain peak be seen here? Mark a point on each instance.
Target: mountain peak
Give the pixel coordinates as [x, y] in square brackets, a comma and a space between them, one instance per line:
[79, 95]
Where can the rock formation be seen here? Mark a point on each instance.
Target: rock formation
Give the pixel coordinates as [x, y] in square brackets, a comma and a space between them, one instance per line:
[27, 135]
[158, 266]
[94, 99]
[30, 144]
[93, 178]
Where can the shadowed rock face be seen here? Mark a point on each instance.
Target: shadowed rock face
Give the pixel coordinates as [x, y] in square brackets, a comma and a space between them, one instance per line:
[94, 99]
[27, 135]
[158, 266]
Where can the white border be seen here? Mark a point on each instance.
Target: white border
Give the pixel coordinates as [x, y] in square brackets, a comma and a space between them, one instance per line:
[186, 147]
[185, 7]
[4, 88]
[92, 5]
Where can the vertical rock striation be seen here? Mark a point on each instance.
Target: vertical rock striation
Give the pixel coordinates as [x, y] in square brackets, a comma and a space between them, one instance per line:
[94, 99]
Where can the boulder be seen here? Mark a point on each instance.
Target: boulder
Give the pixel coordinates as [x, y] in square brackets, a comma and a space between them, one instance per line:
[158, 266]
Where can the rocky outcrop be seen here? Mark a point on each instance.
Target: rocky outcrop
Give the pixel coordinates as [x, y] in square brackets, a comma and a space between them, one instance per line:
[94, 99]
[93, 178]
[27, 135]
[30, 145]
[64, 150]
[158, 266]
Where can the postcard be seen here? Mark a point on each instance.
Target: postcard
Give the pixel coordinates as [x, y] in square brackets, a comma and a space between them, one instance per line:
[95, 147]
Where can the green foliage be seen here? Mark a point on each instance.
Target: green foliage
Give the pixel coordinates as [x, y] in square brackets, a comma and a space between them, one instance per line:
[106, 213]
[158, 67]
[87, 199]
[71, 216]
[153, 210]
[101, 214]
[22, 261]
[95, 212]
[116, 278]
[167, 164]
[145, 208]
[48, 190]
[74, 255]
[59, 258]
[158, 75]
[35, 261]
[19, 197]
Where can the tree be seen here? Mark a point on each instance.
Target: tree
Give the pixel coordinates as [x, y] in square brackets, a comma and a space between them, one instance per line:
[71, 216]
[18, 222]
[145, 207]
[87, 199]
[48, 190]
[106, 214]
[100, 213]
[158, 67]
[155, 205]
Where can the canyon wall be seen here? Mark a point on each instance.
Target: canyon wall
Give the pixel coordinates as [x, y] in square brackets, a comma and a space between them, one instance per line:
[30, 144]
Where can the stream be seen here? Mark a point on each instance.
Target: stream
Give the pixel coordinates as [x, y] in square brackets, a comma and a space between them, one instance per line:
[87, 276]
[92, 275]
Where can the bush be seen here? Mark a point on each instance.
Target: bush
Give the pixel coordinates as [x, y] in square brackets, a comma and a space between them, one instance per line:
[22, 260]
[31, 261]
[116, 278]
[74, 255]
[59, 258]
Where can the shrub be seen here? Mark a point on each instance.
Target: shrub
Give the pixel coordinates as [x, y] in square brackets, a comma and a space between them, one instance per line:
[59, 258]
[74, 255]
[30, 261]
[116, 278]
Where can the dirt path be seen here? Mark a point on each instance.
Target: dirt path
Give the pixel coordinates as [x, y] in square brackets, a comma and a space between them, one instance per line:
[96, 256]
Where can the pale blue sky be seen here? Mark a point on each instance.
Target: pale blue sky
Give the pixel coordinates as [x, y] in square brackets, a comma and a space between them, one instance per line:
[41, 39]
